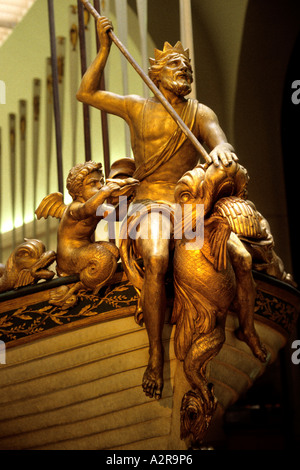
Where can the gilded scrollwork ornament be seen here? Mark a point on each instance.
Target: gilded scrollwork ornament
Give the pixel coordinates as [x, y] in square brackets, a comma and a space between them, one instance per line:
[207, 283]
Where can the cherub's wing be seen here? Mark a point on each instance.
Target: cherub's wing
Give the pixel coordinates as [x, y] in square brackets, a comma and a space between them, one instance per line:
[53, 205]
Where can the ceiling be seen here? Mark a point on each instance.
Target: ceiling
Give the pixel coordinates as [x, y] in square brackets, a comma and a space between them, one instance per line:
[11, 13]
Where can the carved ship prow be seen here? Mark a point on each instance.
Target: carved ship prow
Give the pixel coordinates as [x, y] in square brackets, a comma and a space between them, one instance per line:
[71, 379]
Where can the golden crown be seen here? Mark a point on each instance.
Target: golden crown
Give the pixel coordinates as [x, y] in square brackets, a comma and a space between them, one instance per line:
[169, 49]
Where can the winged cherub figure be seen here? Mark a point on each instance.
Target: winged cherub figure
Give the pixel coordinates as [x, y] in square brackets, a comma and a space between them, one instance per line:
[94, 261]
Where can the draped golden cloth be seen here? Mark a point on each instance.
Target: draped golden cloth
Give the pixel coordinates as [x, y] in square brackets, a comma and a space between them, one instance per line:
[142, 208]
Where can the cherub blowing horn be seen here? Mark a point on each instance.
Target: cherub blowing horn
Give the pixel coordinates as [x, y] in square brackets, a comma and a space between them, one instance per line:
[94, 262]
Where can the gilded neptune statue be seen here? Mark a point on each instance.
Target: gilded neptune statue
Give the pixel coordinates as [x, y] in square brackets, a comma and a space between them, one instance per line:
[162, 155]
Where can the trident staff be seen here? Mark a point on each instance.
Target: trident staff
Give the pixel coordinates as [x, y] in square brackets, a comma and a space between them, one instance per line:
[152, 86]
